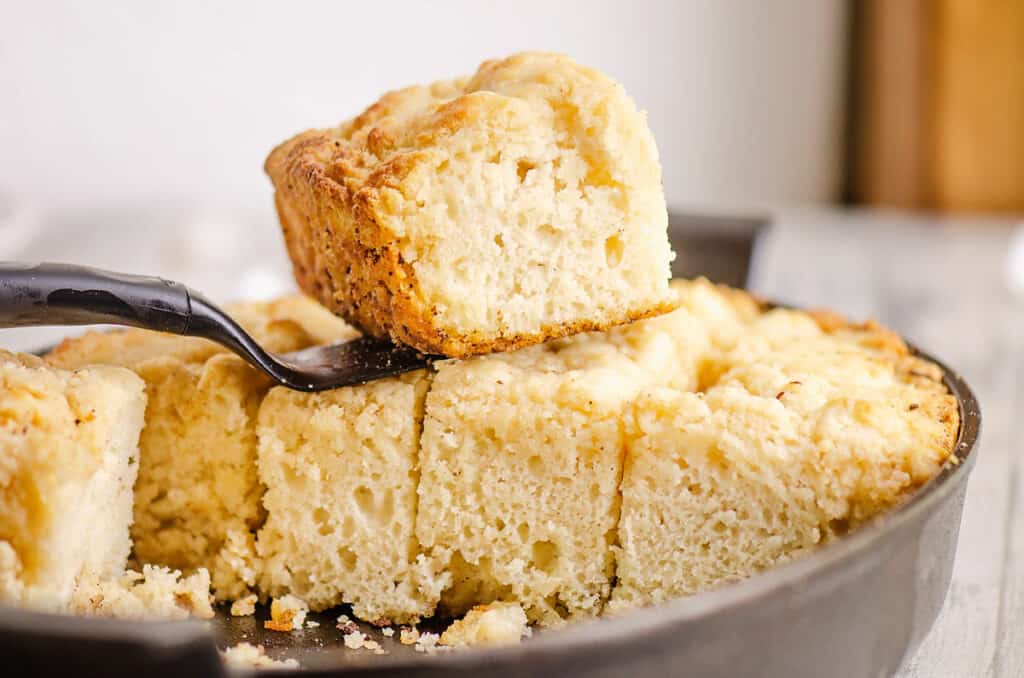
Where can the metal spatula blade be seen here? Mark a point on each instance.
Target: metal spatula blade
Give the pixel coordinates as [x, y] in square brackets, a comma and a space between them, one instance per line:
[344, 364]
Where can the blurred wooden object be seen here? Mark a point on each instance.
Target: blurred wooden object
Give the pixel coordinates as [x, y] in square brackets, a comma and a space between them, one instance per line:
[979, 105]
[890, 103]
[938, 96]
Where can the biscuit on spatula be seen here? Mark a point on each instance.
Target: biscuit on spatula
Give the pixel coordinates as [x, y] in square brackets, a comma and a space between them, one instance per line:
[482, 214]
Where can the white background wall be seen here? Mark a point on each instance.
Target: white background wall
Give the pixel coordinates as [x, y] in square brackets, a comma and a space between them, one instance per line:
[127, 103]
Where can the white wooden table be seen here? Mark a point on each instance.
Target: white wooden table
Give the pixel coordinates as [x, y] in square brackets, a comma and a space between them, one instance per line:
[945, 285]
[950, 287]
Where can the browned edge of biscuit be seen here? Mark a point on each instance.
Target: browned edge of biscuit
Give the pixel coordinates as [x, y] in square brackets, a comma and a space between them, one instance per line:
[910, 367]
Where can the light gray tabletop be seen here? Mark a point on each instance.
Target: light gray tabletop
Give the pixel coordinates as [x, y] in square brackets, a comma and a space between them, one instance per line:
[954, 287]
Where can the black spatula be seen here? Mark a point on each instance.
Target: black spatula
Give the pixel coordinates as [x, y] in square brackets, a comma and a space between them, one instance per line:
[63, 294]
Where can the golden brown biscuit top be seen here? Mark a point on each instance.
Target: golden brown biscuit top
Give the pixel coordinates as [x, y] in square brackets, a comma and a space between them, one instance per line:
[407, 129]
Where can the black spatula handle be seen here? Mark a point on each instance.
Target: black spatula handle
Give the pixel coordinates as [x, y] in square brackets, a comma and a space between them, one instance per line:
[63, 294]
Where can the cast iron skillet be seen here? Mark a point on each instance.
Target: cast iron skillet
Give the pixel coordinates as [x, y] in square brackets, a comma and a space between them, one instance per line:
[856, 607]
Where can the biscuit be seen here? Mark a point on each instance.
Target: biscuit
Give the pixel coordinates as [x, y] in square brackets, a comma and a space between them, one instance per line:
[481, 214]
[197, 500]
[68, 461]
[341, 469]
[803, 430]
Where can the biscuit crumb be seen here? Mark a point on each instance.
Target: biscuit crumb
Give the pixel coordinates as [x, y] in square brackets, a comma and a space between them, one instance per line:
[287, 613]
[347, 628]
[244, 607]
[156, 592]
[428, 642]
[495, 624]
[357, 640]
[249, 656]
